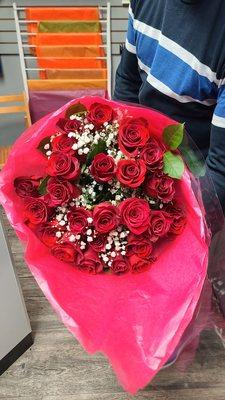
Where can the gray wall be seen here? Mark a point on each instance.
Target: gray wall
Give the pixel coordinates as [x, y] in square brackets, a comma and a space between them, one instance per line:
[11, 81]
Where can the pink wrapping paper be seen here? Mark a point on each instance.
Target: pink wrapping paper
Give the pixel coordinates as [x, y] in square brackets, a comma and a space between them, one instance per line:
[136, 321]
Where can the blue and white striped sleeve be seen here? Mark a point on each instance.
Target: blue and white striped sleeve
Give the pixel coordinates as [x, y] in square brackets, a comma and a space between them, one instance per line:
[128, 80]
[130, 40]
[219, 112]
[216, 156]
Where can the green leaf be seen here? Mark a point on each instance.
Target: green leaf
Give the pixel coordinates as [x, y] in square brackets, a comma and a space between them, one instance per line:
[42, 144]
[43, 186]
[173, 165]
[77, 108]
[173, 135]
[100, 147]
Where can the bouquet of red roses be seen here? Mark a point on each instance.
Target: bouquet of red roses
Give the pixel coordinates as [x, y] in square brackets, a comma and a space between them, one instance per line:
[115, 235]
[108, 198]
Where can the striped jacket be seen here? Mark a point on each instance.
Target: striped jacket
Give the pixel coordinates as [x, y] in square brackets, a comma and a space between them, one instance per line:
[174, 61]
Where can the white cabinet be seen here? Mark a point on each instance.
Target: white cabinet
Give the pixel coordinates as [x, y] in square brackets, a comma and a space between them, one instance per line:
[15, 330]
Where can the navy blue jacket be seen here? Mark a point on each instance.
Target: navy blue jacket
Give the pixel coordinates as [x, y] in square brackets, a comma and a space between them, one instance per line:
[174, 61]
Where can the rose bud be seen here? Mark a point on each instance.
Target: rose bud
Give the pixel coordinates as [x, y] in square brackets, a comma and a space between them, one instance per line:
[62, 164]
[133, 135]
[35, 211]
[77, 219]
[160, 223]
[91, 263]
[152, 154]
[160, 186]
[47, 234]
[100, 113]
[99, 242]
[135, 214]
[131, 173]
[65, 125]
[120, 265]
[139, 265]
[139, 245]
[67, 252]
[63, 143]
[179, 219]
[105, 217]
[26, 187]
[103, 168]
[60, 191]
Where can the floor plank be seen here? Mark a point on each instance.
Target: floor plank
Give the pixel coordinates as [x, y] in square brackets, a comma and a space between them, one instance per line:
[57, 368]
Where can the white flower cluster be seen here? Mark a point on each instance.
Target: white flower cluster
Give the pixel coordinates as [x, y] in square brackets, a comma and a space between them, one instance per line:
[88, 135]
[116, 245]
[84, 139]
[88, 196]
[81, 201]
[119, 192]
[61, 221]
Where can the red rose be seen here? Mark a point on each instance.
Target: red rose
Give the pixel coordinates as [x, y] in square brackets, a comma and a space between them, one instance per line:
[103, 168]
[135, 214]
[63, 143]
[120, 265]
[159, 225]
[100, 113]
[67, 252]
[91, 263]
[98, 243]
[47, 235]
[26, 187]
[152, 154]
[35, 211]
[60, 191]
[139, 245]
[160, 186]
[105, 217]
[133, 135]
[131, 173]
[139, 265]
[178, 217]
[62, 164]
[68, 125]
[77, 219]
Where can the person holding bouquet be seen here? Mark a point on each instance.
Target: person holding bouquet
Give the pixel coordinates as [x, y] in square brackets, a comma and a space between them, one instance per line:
[174, 62]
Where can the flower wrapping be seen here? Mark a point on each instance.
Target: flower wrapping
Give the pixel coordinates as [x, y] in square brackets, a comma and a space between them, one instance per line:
[135, 319]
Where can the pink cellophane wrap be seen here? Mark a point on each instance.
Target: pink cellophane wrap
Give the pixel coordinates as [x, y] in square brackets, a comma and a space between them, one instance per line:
[135, 320]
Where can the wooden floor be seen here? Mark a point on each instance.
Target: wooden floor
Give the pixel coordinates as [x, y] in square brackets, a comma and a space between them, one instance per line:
[57, 368]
